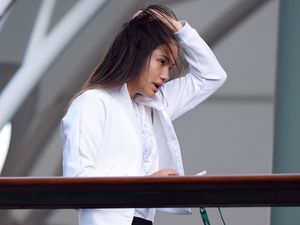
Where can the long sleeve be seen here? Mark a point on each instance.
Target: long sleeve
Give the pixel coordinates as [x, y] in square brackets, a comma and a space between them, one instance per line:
[205, 75]
[82, 134]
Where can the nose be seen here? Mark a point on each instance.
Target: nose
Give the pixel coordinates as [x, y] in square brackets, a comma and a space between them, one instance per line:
[165, 75]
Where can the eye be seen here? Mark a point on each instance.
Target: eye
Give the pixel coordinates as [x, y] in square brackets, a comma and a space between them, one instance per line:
[162, 61]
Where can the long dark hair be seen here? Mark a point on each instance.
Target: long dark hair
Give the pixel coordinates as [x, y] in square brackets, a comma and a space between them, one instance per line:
[132, 47]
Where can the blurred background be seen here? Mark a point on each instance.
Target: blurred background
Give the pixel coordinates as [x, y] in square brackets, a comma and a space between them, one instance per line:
[49, 48]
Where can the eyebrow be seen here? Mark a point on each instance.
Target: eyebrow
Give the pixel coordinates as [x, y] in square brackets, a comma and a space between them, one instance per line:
[167, 58]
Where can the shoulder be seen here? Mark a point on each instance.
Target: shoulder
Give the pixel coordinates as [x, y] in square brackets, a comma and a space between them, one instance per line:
[92, 94]
[91, 97]
[90, 102]
[87, 111]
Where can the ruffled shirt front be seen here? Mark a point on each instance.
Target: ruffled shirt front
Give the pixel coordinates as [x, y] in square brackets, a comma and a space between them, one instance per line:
[150, 158]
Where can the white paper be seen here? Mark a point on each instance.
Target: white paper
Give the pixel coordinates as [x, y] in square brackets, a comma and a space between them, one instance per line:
[201, 173]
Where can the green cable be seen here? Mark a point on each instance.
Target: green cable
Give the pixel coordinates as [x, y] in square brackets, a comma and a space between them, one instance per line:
[204, 216]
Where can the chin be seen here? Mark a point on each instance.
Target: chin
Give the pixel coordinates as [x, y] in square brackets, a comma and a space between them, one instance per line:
[149, 94]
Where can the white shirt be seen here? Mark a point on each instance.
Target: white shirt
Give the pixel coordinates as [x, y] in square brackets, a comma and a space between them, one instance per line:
[150, 155]
[96, 117]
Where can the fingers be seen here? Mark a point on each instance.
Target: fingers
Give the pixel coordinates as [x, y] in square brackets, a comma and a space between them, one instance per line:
[165, 172]
[165, 18]
[137, 13]
[169, 21]
[172, 172]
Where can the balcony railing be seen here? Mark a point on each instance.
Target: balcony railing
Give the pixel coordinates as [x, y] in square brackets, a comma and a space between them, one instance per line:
[134, 192]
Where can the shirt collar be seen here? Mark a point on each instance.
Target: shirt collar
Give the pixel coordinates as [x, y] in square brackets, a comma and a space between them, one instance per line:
[157, 102]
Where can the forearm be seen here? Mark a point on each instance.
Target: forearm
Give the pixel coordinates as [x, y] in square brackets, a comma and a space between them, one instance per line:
[204, 77]
[202, 61]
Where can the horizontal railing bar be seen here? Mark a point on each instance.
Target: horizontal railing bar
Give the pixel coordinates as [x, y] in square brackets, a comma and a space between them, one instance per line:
[140, 192]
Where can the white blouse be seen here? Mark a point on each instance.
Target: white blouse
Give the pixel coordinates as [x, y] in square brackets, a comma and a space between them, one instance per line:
[96, 117]
[150, 155]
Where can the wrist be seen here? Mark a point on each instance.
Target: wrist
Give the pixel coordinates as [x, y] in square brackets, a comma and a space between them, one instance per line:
[178, 25]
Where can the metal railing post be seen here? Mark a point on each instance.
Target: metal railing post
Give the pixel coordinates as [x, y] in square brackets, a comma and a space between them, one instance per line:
[287, 105]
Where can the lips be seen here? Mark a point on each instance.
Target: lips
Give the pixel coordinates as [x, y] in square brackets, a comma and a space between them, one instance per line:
[157, 85]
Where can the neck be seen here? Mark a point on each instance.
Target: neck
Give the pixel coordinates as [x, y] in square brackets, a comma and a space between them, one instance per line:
[131, 89]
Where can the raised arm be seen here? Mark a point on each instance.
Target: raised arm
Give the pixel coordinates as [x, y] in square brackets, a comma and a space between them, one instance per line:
[205, 74]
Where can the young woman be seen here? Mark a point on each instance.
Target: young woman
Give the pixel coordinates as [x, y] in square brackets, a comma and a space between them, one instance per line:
[120, 123]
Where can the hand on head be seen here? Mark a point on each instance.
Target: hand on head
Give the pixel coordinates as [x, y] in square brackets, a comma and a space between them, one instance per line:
[173, 23]
[137, 13]
[163, 14]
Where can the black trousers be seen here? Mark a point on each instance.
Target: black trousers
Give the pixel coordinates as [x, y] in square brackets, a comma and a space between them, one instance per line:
[140, 221]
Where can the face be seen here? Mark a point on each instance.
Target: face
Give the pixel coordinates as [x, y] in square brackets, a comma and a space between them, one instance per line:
[155, 72]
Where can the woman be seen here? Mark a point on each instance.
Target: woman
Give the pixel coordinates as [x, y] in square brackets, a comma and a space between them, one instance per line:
[119, 124]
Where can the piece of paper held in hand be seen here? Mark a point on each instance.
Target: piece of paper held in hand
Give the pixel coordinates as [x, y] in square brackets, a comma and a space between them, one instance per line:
[201, 173]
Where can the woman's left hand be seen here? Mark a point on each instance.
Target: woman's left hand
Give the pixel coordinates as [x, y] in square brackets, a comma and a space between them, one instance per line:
[173, 23]
[165, 172]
